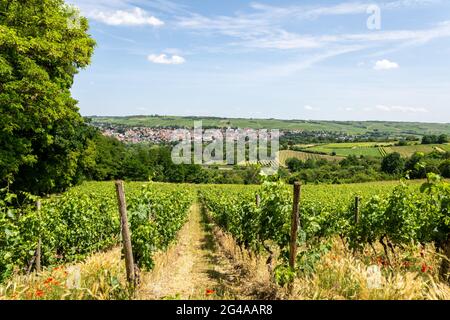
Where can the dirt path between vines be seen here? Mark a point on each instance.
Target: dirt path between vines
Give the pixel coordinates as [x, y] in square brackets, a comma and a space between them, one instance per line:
[196, 267]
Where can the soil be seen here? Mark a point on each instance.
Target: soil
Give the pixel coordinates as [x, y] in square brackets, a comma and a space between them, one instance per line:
[196, 267]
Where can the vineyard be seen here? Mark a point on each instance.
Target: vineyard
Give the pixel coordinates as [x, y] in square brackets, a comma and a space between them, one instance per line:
[394, 219]
[369, 149]
[374, 149]
[287, 154]
[83, 221]
[408, 151]
[380, 221]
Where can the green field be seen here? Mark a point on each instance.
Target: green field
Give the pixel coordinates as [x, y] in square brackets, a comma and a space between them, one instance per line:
[368, 149]
[349, 127]
[375, 149]
[408, 151]
[353, 145]
[287, 154]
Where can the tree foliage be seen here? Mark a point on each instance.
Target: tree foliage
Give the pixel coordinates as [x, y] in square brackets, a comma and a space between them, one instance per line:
[43, 44]
[393, 164]
[435, 139]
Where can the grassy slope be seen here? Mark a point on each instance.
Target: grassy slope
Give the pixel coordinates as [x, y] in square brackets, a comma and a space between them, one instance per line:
[350, 127]
[371, 149]
[287, 154]
[408, 151]
[346, 149]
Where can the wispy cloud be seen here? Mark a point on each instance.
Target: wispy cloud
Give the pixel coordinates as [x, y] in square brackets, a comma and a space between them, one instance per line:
[347, 109]
[115, 36]
[258, 34]
[310, 12]
[251, 33]
[409, 3]
[293, 67]
[164, 59]
[401, 109]
[263, 28]
[167, 6]
[345, 8]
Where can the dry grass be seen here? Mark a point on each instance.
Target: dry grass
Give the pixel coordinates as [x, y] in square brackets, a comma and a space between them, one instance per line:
[410, 274]
[342, 275]
[100, 277]
[177, 272]
[255, 280]
[204, 259]
[207, 258]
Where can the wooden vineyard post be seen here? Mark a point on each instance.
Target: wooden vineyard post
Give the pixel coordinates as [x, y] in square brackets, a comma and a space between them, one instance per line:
[258, 203]
[125, 233]
[295, 222]
[444, 272]
[38, 249]
[357, 209]
[294, 225]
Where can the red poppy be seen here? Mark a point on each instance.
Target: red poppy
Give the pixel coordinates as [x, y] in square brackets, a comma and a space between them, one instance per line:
[210, 292]
[424, 267]
[381, 262]
[39, 293]
[48, 281]
[406, 264]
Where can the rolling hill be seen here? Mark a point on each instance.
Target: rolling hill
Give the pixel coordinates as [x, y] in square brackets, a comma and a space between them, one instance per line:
[349, 127]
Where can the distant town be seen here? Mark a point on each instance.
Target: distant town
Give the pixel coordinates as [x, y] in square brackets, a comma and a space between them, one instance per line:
[159, 135]
[158, 129]
[164, 135]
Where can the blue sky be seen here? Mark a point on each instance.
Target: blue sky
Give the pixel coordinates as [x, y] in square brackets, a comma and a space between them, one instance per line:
[269, 59]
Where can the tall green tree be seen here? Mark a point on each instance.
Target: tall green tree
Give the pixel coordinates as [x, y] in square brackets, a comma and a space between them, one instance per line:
[43, 44]
[393, 163]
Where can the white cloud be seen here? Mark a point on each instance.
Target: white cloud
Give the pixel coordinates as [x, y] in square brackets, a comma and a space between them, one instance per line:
[310, 108]
[401, 109]
[385, 65]
[164, 59]
[132, 17]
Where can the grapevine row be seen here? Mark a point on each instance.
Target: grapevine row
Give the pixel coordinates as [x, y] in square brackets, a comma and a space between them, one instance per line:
[84, 221]
[401, 217]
